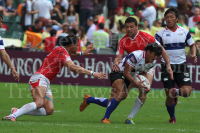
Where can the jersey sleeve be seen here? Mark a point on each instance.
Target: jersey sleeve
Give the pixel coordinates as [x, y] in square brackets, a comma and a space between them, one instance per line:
[189, 41]
[64, 56]
[120, 50]
[1, 44]
[131, 60]
[158, 38]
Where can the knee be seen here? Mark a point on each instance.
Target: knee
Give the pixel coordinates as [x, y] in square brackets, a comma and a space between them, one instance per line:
[49, 111]
[122, 96]
[39, 103]
[186, 91]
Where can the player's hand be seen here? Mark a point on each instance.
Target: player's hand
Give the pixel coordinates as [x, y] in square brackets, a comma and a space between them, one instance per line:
[139, 84]
[169, 70]
[15, 74]
[115, 67]
[88, 50]
[194, 57]
[99, 75]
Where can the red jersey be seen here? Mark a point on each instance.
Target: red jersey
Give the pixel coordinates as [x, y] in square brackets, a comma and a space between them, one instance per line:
[138, 43]
[53, 63]
[50, 43]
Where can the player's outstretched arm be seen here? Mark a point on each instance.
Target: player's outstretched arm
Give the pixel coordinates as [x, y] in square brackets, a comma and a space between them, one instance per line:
[167, 61]
[127, 74]
[6, 59]
[77, 69]
[117, 60]
[85, 52]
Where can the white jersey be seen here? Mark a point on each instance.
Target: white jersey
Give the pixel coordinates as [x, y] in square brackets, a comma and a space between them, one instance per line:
[174, 43]
[136, 59]
[1, 44]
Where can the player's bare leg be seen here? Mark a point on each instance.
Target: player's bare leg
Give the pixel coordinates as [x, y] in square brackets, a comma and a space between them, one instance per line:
[139, 101]
[38, 94]
[185, 91]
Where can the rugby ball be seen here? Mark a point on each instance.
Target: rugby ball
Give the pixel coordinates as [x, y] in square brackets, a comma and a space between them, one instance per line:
[145, 83]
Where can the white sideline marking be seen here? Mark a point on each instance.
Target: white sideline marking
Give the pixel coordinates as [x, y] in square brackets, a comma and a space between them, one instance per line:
[100, 126]
[58, 111]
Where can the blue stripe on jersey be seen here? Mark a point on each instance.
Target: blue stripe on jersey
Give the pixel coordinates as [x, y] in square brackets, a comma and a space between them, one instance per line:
[159, 39]
[187, 38]
[1, 42]
[129, 57]
[174, 46]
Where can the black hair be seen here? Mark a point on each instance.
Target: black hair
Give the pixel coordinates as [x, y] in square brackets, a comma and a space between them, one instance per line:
[66, 40]
[154, 47]
[197, 41]
[130, 20]
[121, 25]
[172, 10]
[37, 21]
[101, 26]
[73, 32]
[1, 16]
[53, 32]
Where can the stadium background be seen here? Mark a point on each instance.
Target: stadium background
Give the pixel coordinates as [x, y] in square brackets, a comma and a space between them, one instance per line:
[69, 88]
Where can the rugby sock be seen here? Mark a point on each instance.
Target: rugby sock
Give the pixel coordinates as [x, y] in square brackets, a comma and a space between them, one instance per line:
[110, 108]
[24, 109]
[38, 112]
[100, 101]
[138, 104]
[171, 110]
[178, 92]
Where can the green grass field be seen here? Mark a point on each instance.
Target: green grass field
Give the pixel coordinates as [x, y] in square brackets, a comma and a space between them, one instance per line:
[152, 117]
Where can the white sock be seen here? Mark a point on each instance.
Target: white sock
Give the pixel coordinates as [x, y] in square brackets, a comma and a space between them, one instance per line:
[38, 112]
[24, 109]
[138, 104]
[177, 92]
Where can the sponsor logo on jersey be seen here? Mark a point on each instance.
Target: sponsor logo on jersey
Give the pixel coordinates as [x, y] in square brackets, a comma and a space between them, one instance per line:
[180, 34]
[168, 35]
[133, 59]
[186, 79]
[186, 74]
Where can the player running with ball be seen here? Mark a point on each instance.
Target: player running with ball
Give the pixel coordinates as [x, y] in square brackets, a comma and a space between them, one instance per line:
[40, 81]
[134, 40]
[173, 38]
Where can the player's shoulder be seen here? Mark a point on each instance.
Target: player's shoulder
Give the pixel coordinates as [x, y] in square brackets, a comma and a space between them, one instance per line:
[161, 31]
[124, 39]
[142, 33]
[182, 29]
[138, 54]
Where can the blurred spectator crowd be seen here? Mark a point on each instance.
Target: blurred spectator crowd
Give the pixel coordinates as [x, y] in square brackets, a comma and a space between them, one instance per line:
[39, 23]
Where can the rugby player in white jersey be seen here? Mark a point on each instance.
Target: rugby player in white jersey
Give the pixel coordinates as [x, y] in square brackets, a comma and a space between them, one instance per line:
[5, 56]
[137, 62]
[173, 38]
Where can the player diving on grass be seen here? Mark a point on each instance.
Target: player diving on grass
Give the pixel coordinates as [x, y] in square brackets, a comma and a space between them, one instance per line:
[40, 81]
[5, 56]
[173, 38]
[137, 62]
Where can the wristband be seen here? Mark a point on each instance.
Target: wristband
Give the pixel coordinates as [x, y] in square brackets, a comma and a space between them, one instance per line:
[91, 73]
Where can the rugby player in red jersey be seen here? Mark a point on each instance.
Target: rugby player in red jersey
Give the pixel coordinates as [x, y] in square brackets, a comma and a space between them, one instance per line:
[40, 81]
[132, 41]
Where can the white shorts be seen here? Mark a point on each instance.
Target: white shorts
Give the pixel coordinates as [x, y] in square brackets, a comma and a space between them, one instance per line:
[40, 80]
[151, 71]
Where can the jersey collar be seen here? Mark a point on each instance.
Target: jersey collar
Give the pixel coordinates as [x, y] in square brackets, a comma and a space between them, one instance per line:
[172, 30]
